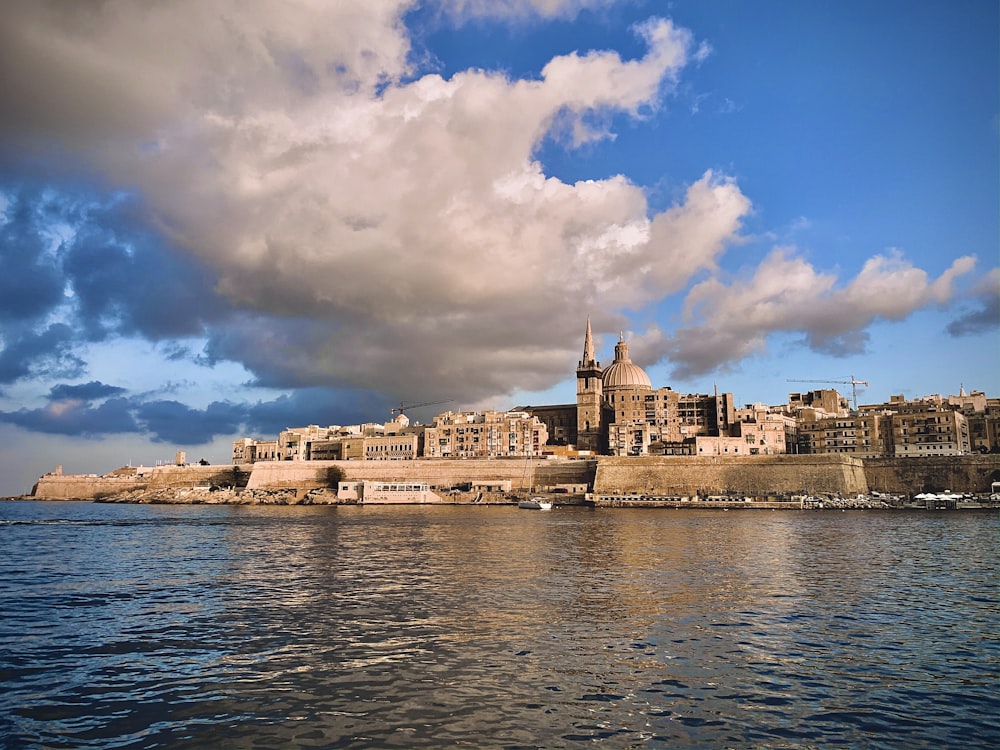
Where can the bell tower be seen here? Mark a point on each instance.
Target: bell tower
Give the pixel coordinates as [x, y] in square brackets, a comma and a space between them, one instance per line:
[589, 398]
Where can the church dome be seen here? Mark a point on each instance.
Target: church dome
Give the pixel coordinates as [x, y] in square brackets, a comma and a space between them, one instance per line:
[623, 372]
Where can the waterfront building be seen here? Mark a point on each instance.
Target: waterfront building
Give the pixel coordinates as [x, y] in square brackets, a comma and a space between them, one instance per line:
[717, 445]
[393, 440]
[249, 450]
[619, 413]
[487, 434]
[392, 447]
[560, 422]
[983, 417]
[766, 430]
[929, 429]
[852, 434]
[244, 451]
[386, 493]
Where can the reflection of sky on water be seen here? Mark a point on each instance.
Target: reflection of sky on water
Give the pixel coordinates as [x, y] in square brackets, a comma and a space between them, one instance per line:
[430, 626]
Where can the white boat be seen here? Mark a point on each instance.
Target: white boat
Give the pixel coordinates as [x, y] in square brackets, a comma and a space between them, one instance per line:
[535, 503]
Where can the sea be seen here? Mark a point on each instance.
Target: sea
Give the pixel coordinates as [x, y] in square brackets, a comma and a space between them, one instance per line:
[206, 626]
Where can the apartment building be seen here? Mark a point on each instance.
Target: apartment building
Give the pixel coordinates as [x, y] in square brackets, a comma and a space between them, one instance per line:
[765, 430]
[983, 417]
[852, 434]
[249, 450]
[933, 430]
[484, 435]
[619, 413]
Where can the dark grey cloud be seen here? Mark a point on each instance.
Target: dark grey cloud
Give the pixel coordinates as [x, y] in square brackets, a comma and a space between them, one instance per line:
[323, 406]
[45, 355]
[173, 422]
[982, 320]
[162, 421]
[92, 391]
[89, 260]
[77, 418]
[73, 410]
[31, 282]
[128, 281]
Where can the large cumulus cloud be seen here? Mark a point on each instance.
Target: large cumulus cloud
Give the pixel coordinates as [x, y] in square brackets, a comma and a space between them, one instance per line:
[326, 212]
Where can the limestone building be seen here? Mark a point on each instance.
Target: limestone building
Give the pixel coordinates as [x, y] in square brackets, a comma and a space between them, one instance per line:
[487, 434]
[926, 427]
[858, 435]
[618, 412]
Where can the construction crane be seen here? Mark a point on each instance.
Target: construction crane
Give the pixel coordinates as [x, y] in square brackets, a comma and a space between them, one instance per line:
[403, 407]
[852, 382]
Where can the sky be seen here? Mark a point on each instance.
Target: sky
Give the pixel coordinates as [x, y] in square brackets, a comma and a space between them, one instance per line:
[222, 219]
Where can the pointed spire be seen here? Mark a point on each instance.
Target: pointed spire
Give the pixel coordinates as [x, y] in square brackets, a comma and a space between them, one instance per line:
[588, 345]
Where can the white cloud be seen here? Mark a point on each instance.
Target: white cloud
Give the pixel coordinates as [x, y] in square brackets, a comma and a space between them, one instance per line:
[385, 229]
[518, 9]
[726, 323]
[405, 225]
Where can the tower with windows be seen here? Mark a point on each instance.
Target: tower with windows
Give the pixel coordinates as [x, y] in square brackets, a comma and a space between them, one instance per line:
[589, 398]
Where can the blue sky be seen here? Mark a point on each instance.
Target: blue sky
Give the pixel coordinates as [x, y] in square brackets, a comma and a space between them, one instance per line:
[223, 219]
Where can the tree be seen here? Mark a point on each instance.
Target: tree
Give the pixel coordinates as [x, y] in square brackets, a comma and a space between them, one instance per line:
[334, 476]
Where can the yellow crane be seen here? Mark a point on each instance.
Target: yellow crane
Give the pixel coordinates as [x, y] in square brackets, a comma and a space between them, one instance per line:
[852, 382]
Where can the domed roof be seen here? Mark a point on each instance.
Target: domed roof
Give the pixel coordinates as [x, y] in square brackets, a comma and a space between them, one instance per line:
[623, 372]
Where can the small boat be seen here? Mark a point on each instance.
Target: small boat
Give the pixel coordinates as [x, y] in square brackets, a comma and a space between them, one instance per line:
[535, 503]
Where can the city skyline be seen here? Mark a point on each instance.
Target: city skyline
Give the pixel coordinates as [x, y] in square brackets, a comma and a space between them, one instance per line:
[219, 220]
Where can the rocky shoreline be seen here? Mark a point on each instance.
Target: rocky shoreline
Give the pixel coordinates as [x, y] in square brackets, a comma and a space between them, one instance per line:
[227, 496]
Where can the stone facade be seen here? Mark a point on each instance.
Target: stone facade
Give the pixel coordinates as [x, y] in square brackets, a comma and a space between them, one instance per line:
[676, 476]
[973, 473]
[619, 413]
[852, 434]
[608, 476]
[521, 474]
[590, 405]
[485, 434]
[934, 431]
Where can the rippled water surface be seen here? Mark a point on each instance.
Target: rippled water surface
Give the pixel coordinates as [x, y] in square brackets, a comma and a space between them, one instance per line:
[206, 626]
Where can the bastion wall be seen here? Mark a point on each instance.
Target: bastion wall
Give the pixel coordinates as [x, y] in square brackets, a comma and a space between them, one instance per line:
[435, 472]
[649, 475]
[673, 476]
[93, 487]
[933, 473]
[85, 486]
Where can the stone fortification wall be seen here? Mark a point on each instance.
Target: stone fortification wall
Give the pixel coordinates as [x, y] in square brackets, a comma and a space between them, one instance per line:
[664, 476]
[933, 473]
[712, 475]
[85, 486]
[435, 472]
[94, 487]
[219, 475]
